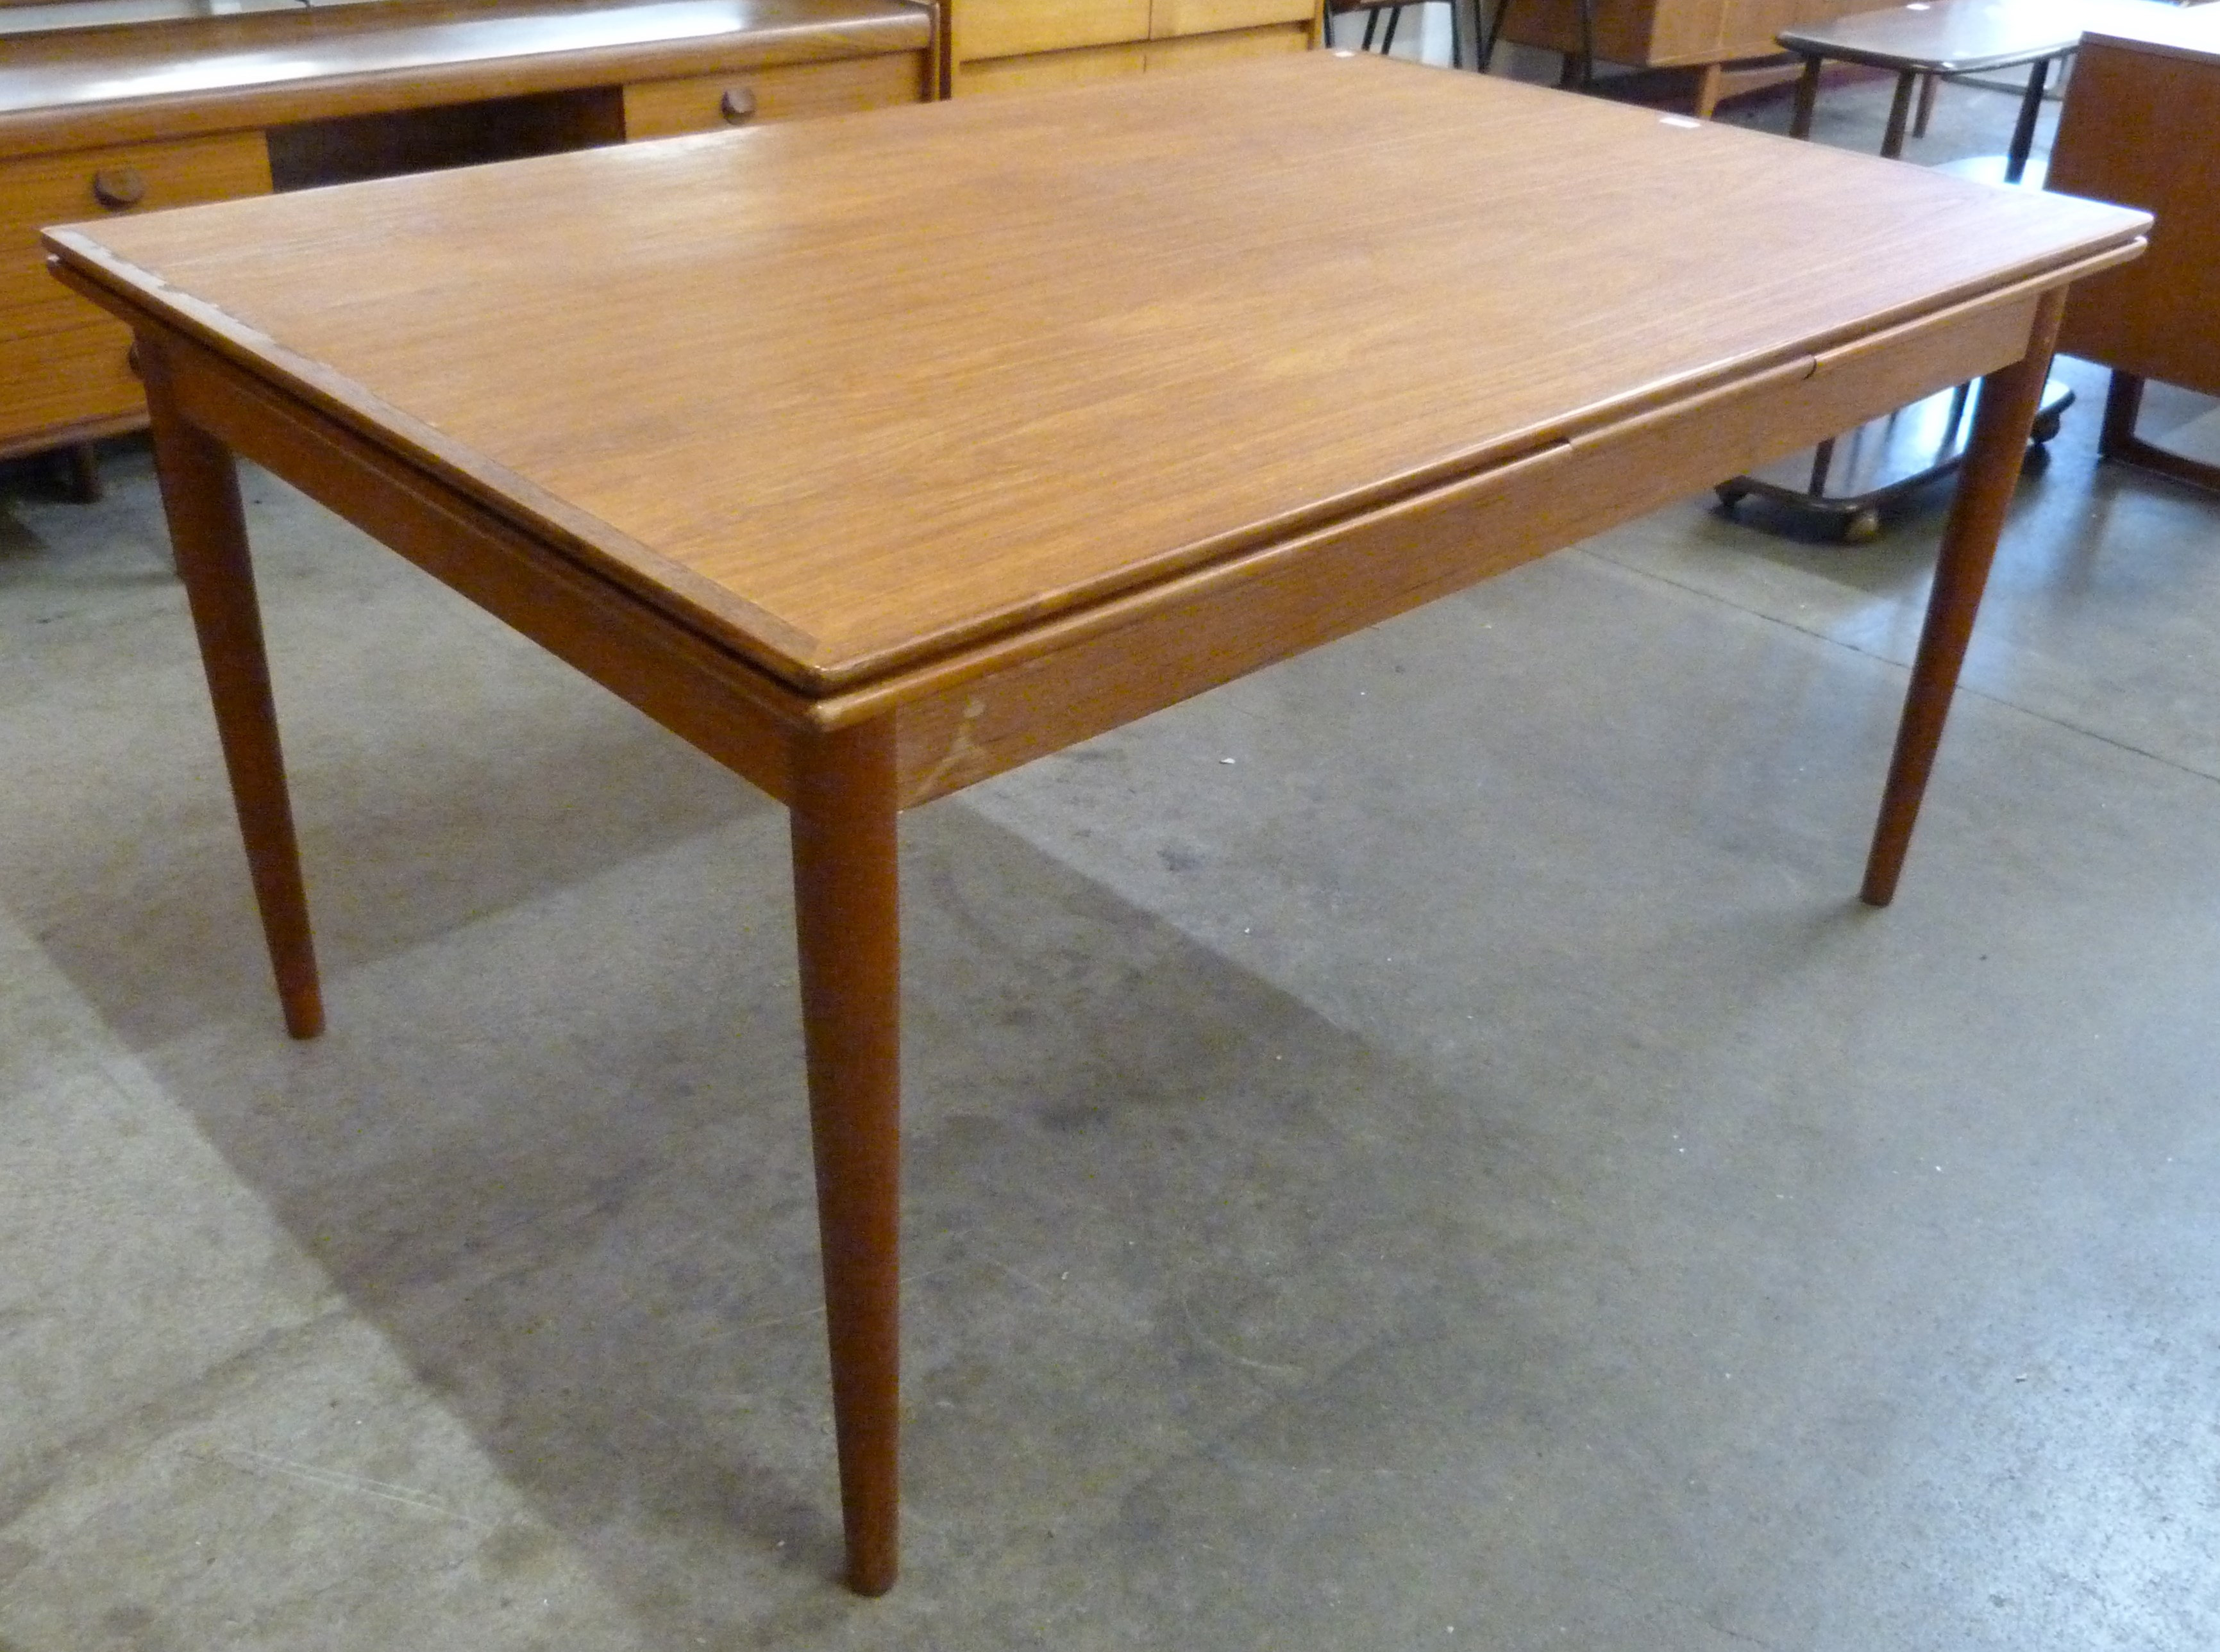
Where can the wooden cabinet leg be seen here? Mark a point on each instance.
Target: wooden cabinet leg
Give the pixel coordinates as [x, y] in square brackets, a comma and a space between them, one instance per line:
[2123, 404]
[81, 473]
[2008, 399]
[207, 533]
[846, 887]
[1708, 85]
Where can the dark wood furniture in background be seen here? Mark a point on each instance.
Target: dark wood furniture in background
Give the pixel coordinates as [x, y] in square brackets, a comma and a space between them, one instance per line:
[2141, 125]
[1728, 41]
[122, 119]
[1026, 429]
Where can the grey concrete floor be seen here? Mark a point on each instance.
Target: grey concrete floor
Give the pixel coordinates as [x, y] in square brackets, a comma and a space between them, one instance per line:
[1419, 1148]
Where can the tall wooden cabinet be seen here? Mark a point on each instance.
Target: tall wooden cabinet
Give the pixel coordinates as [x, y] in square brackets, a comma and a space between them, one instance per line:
[996, 44]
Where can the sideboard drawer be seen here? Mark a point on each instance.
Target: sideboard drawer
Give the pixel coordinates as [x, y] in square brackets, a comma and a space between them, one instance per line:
[36, 190]
[1202, 51]
[665, 108]
[1039, 71]
[1001, 29]
[60, 378]
[1174, 17]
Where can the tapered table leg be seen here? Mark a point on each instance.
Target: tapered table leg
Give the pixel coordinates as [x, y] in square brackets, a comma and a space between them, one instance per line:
[1900, 114]
[207, 533]
[1807, 99]
[846, 898]
[1997, 449]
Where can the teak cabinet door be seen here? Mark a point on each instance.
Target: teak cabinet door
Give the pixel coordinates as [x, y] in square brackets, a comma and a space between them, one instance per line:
[1002, 28]
[1167, 18]
[1009, 45]
[1038, 71]
[1199, 51]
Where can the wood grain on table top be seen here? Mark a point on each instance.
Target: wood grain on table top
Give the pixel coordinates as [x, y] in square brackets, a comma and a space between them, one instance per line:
[848, 393]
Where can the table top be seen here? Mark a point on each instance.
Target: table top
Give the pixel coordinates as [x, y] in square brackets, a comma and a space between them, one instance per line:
[239, 69]
[1963, 36]
[844, 395]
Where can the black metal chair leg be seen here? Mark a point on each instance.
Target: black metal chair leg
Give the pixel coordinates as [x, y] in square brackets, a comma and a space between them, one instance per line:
[2030, 110]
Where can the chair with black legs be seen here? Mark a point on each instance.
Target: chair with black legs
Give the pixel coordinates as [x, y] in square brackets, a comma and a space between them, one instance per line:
[1371, 9]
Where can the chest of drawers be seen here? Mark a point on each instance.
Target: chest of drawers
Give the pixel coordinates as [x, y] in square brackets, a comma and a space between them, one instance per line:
[111, 121]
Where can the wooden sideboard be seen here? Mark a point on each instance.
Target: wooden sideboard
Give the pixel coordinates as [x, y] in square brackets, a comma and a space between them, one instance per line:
[1704, 35]
[116, 119]
[996, 44]
[2141, 127]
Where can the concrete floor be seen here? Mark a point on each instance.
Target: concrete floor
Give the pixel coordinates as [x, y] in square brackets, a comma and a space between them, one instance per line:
[1419, 1148]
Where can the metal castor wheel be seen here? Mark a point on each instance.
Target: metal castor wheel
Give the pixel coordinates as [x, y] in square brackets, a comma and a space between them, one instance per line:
[1730, 495]
[2046, 425]
[1861, 527]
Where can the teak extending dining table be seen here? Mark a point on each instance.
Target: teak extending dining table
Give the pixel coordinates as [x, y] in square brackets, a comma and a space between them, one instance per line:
[878, 455]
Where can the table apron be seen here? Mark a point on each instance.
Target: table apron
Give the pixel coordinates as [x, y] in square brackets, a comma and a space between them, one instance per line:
[706, 696]
[1103, 668]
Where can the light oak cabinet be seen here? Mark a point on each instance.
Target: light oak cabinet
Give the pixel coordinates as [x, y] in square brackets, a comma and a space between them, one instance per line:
[1007, 44]
[91, 125]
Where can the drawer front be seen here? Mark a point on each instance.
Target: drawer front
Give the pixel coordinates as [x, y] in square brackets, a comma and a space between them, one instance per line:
[1624, 29]
[1172, 17]
[665, 108]
[58, 378]
[41, 190]
[1040, 70]
[1197, 51]
[1002, 28]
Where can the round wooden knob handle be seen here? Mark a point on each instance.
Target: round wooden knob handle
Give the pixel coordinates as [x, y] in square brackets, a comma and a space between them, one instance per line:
[118, 186]
[737, 106]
